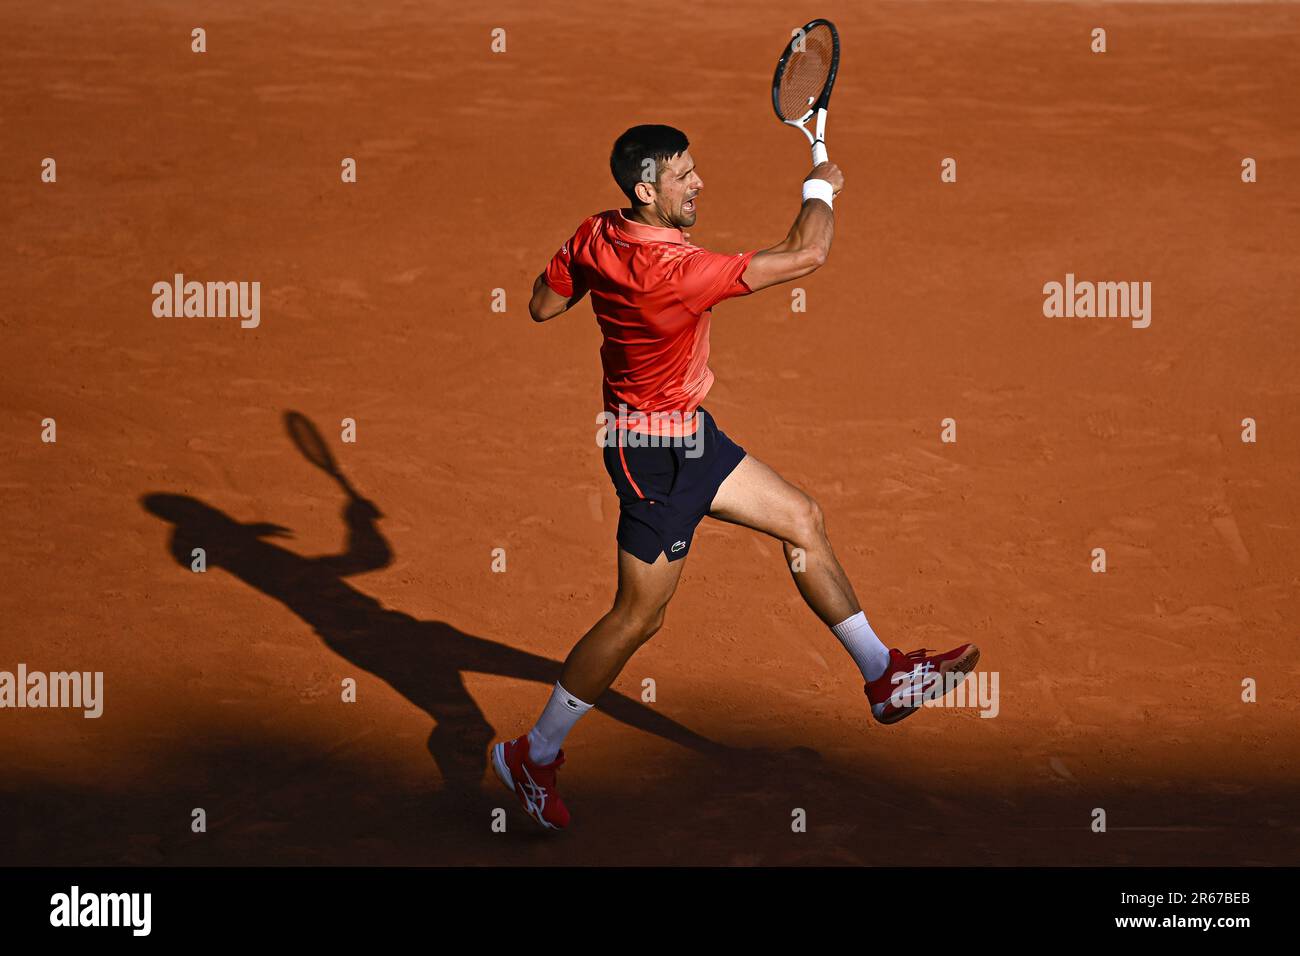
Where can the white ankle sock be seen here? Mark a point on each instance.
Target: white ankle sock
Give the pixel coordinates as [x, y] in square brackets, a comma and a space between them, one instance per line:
[561, 713]
[871, 656]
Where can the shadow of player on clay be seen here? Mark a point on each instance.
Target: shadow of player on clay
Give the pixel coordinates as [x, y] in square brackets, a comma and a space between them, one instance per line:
[422, 660]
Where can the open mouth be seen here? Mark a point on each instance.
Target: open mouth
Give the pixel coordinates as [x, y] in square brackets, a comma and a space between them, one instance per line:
[688, 206]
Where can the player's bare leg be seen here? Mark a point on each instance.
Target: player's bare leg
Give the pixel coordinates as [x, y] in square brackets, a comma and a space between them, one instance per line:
[644, 591]
[527, 764]
[757, 497]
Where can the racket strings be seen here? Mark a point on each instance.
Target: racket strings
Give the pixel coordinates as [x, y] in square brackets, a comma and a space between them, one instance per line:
[806, 73]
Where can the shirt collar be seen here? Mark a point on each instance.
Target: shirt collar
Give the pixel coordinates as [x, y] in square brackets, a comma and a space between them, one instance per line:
[639, 230]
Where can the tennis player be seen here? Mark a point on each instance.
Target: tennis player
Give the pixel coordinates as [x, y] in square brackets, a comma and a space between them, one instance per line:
[671, 465]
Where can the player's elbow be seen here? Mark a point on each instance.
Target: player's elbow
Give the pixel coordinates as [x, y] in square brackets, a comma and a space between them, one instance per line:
[813, 258]
[538, 311]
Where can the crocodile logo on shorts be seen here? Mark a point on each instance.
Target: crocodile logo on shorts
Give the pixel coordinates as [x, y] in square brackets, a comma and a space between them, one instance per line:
[680, 545]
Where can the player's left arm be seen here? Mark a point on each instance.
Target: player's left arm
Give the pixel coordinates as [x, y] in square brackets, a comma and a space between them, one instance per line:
[546, 303]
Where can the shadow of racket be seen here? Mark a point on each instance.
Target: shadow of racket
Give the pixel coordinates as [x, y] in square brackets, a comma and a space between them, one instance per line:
[308, 440]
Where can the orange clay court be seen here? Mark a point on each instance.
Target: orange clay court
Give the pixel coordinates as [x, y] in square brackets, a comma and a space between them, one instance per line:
[475, 431]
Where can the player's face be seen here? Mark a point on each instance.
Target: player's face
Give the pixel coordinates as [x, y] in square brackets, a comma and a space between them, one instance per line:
[676, 190]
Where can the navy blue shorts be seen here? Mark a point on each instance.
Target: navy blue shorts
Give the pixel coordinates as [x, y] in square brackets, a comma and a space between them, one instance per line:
[664, 492]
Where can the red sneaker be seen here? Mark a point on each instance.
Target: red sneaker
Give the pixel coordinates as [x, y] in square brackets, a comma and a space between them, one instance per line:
[533, 784]
[914, 677]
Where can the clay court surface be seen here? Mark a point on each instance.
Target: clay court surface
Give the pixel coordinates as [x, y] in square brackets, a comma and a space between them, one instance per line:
[476, 431]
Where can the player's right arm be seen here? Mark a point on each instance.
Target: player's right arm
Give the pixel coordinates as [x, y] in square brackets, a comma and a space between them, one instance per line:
[546, 303]
[806, 246]
[560, 286]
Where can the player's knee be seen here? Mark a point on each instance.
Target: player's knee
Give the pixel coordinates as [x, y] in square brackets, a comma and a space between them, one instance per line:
[809, 522]
[639, 623]
[647, 623]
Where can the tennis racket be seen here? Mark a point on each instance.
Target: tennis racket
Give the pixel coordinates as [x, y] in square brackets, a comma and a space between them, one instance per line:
[308, 440]
[805, 74]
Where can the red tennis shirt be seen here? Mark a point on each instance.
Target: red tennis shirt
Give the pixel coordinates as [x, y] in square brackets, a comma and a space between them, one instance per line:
[652, 293]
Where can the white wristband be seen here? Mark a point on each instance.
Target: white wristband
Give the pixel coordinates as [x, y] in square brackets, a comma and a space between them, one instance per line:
[819, 189]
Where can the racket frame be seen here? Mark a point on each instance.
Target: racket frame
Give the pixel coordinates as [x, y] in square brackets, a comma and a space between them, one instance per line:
[816, 140]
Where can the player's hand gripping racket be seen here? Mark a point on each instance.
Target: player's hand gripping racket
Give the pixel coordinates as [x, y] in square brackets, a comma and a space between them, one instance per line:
[805, 74]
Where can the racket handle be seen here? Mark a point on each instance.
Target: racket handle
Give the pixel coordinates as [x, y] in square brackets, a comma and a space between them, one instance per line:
[819, 153]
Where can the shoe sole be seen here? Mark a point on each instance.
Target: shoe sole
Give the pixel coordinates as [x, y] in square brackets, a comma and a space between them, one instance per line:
[897, 716]
[502, 771]
[962, 665]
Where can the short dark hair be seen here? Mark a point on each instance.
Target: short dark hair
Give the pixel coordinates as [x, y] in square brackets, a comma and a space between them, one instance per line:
[635, 146]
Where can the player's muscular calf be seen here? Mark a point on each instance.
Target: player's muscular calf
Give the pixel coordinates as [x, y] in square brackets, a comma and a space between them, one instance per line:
[808, 243]
[644, 591]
